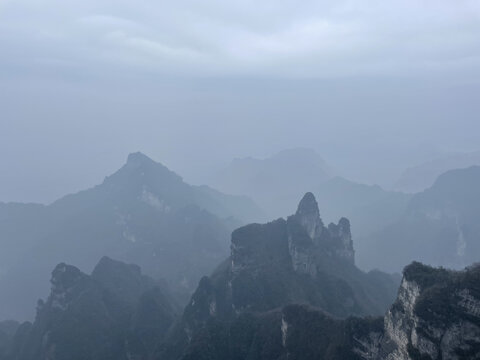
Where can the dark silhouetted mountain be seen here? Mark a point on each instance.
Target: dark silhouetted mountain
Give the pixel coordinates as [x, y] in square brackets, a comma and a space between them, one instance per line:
[436, 316]
[293, 261]
[421, 177]
[143, 214]
[276, 183]
[440, 227]
[288, 291]
[102, 316]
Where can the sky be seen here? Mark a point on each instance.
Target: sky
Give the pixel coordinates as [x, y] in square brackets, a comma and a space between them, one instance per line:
[373, 86]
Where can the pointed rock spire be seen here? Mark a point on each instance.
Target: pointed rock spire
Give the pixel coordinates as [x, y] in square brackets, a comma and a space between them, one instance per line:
[308, 206]
[309, 216]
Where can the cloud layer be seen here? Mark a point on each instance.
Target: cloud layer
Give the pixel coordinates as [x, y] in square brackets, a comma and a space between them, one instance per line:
[269, 38]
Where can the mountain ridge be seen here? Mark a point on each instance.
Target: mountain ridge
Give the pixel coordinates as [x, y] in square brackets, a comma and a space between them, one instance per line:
[143, 213]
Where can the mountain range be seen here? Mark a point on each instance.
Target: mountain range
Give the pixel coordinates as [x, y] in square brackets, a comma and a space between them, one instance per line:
[440, 226]
[277, 182]
[289, 290]
[143, 213]
[418, 178]
[391, 228]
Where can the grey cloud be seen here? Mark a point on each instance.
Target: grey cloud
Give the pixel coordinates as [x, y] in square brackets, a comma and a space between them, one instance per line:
[276, 38]
[196, 83]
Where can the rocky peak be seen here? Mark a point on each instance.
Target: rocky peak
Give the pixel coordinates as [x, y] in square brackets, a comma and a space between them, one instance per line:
[302, 240]
[335, 241]
[308, 215]
[254, 246]
[139, 159]
[342, 240]
[65, 277]
[141, 170]
[125, 281]
[108, 267]
[67, 281]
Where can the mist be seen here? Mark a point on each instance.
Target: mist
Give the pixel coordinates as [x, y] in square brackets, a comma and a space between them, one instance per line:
[85, 84]
[239, 180]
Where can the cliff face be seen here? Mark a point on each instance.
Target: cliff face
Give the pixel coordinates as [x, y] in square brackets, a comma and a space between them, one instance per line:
[292, 261]
[302, 241]
[436, 315]
[288, 291]
[307, 251]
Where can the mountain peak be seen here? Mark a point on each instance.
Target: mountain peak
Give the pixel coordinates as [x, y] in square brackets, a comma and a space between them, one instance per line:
[308, 205]
[138, 158]
[309, 216]
[140, 170]
[124, 280]
[64, 276]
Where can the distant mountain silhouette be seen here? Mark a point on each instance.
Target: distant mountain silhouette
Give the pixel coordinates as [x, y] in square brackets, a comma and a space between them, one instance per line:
[368, 207]
[421, 177]
[144, 213]
[276, 183]
[441, 226]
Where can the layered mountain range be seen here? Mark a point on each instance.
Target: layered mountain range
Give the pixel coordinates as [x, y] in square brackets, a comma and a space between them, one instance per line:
[286, 289]
[144, 214]
[437, 226]
[421, 177]
[440, 226]
[289, 290]
[294, 261]
[276, 182]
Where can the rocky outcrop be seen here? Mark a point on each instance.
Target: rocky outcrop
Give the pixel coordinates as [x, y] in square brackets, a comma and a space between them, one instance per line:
[143, 214]
[273, 265]
[308, 251]
[436, 315]
[308, 241]
[115, 313]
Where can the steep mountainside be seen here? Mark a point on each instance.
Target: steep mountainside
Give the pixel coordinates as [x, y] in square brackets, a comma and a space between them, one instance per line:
[276, 298]
[441, 226]
[293, 261]
[144, 214]
[102, 316]
[271, 181]
[436, 317]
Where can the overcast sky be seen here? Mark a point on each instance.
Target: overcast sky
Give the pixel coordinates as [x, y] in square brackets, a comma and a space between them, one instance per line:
[373, 86]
